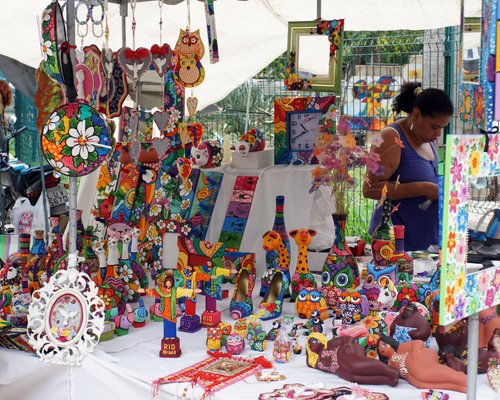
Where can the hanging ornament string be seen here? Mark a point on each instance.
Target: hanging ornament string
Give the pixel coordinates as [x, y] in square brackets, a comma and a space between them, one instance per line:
[188, 2]
[160, 4]
[106, 27]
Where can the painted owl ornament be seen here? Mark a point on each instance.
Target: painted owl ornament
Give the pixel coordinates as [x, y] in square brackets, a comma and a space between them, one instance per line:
[353, 307]
[308, 300]
[235, 344]
[241, 327]
[188, 71]
[214, 339]
[376, 279]
[257, 336]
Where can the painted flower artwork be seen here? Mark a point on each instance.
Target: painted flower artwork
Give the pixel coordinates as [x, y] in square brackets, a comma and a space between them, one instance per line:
[75, 139]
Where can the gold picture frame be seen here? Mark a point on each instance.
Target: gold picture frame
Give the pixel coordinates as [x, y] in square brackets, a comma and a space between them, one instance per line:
[330, 82]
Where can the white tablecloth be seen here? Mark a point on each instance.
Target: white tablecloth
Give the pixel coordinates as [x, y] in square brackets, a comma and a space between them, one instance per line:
[125, 367]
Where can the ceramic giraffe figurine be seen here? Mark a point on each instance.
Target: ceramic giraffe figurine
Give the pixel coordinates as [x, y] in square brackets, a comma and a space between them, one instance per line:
[134, 250]
[302, 278]
[272, 241]
[126, 273]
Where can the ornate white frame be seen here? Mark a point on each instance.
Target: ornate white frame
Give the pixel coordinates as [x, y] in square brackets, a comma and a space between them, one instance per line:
[46, 344]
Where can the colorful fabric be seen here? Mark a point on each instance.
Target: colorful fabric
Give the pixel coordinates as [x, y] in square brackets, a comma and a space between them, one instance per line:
[213, 374]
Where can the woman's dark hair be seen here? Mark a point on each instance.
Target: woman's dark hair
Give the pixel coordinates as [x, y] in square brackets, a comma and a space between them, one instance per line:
[391, 342]
[429, 101]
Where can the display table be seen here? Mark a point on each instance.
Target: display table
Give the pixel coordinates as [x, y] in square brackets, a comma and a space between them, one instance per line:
[293, 182]
[125, 367]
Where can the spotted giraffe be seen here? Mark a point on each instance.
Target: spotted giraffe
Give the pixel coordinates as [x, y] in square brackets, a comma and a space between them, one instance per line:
[302, 278]
[272, 241]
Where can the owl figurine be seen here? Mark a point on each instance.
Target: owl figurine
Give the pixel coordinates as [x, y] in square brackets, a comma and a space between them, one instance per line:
[256, 336]
[353, 306]
[226, 330]
[214, 339]
[377, 278]
[308, 300]
[235, 344]
[241, 327]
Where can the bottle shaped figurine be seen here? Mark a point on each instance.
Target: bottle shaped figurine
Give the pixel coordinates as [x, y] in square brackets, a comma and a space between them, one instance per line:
[383, 246]
[404, 262]
[272, 256]
[38, 247]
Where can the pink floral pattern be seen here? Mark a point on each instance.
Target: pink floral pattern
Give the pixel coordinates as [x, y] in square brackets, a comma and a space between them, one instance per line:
[465, 157]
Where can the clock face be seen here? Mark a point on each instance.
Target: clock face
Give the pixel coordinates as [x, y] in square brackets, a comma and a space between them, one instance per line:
[303, 127]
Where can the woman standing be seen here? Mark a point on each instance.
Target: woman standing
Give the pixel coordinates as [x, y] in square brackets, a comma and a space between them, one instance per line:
[409, 161]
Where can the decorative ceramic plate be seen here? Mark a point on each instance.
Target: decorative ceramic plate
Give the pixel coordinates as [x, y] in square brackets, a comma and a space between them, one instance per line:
[75, 139]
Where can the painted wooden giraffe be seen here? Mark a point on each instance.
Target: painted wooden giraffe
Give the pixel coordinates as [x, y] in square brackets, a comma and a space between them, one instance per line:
[302, 278]
[272, 241]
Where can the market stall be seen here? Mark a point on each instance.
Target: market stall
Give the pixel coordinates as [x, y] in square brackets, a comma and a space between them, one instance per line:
[185, 269]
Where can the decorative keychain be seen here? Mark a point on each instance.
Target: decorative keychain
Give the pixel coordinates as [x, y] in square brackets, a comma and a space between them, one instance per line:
[135, 62]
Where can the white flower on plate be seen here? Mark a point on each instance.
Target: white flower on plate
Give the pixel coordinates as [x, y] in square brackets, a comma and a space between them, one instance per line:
[53, 121]
[82, 140]
[59, 166]
[185, 188]
[185, 204]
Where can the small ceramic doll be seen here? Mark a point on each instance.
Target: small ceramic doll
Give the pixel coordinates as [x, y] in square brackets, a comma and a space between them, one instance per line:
[235, 344]
[273, 333]
[410, 325]
[296, 346]
[214, 339]
[257, 336]
[282, 347]
[168, 294]
[241, 327]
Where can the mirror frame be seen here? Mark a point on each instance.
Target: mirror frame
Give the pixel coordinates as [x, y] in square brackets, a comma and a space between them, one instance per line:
[334, 29]
[465, 294]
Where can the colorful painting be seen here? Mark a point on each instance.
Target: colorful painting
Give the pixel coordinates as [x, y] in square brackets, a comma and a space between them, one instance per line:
[75, 139]
[465, 294]
[488, 78]
[371, 99]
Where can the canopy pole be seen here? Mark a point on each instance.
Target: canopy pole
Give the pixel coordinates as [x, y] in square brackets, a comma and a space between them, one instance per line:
[123, 14]
[318, 9]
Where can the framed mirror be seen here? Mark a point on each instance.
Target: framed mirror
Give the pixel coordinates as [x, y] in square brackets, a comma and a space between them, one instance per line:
[472, 164]
[315, 55]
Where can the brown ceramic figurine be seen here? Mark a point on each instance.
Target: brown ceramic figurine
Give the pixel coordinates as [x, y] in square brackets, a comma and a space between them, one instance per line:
[420, 365]
[410, 325]
[344, 357]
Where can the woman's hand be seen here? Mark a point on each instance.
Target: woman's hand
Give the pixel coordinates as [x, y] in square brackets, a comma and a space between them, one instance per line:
[430, 190]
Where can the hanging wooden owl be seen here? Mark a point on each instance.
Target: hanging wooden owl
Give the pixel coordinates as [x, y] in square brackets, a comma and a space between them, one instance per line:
[241, 327]
[214, 338]
[353, 307]
[189, 71]
[235, 344]
[308, 300]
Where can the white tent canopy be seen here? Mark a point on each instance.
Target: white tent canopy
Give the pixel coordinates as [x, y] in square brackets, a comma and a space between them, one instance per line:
[251, 33]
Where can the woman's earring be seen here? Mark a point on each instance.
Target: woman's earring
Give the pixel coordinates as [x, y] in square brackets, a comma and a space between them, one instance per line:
[411, 127]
